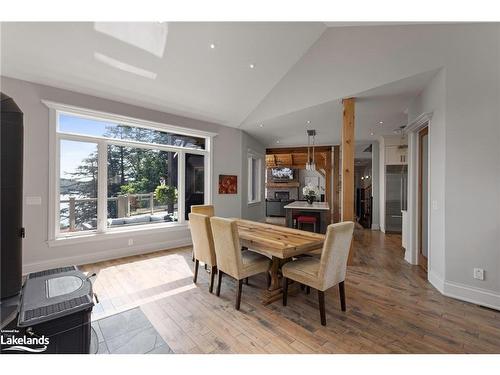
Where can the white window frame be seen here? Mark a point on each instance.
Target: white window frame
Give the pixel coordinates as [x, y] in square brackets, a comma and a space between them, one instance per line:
[55, 109]
[252, 155]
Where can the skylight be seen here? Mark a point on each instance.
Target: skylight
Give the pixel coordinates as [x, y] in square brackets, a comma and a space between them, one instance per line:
[124, 66]
[148, 36]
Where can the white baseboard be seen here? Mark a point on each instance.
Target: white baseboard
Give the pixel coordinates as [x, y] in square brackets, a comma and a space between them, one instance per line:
[474, 295]
[105, 255]
[375, 227]
[436, 280]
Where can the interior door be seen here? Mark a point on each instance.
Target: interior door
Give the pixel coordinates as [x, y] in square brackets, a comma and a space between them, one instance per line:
[423, 190]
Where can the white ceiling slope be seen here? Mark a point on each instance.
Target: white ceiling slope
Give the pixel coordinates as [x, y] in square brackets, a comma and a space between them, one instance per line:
[302, 70]
[187, 78]
[348, 60]
[386, 104]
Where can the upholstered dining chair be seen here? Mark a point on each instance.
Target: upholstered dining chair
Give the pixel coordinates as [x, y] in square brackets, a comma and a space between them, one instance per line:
[204, 209]
[203, 245]
[323, 272]
[231, 260]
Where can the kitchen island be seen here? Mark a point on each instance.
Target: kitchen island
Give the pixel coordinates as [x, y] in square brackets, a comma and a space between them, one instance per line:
[320, 210]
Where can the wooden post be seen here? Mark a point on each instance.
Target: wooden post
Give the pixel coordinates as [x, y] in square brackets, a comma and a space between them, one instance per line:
[123, 206]
[328, 185]
[348, 165]
[152, 202]
[72, 214]
[336, 184]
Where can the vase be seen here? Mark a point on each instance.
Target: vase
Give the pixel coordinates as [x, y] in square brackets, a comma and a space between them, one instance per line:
[311, 199]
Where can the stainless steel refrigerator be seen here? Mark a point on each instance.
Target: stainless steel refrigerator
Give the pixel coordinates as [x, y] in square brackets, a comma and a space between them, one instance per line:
[396, 196]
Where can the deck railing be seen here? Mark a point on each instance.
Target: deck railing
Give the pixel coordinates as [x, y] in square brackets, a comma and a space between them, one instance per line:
[124, 205]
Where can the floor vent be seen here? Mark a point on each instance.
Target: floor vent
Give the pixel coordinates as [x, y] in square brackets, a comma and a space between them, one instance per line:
[51, 272]
[55, 308]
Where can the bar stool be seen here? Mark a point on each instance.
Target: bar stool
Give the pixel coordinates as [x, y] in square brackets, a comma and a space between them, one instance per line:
[306, 220]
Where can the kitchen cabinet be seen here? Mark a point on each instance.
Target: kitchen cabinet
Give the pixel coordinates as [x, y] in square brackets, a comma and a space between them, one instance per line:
[396, 155]
[276, 207]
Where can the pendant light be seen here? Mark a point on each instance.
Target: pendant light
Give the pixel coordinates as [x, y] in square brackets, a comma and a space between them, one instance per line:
[311, 164]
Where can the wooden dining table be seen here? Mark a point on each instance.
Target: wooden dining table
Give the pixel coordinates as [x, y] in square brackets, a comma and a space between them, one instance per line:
[280, 244]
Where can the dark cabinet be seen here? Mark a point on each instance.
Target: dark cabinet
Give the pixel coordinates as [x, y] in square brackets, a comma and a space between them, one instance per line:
[276, 207]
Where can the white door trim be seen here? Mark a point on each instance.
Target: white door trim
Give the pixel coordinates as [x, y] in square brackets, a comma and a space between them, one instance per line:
[412, 129]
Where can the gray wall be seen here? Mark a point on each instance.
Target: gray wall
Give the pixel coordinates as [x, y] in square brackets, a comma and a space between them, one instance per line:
[37, 254]
[375, 186]
[253, 211]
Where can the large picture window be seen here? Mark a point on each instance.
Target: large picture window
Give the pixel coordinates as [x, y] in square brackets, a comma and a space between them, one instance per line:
[113, 174]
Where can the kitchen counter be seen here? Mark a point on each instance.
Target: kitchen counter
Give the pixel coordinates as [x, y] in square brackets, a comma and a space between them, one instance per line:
[303, 205]
[320, 210]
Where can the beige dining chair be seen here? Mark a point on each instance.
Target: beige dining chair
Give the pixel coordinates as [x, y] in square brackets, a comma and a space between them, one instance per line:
[203, 245]
[231, 260]
[323, 272]
[204, 209]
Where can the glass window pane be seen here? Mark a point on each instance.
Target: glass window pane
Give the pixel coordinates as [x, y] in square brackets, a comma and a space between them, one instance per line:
[80, 125]
[77, 186]
[142, 186]
[195, 181]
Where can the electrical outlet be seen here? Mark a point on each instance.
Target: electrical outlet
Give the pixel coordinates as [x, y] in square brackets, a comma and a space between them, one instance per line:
[479, 273]
[130, 241]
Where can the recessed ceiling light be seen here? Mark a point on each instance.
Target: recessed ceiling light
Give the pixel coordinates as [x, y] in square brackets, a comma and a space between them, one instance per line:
[381, 122]
[261, 125]
[308, 121]
[251, 66]
[278, 141]
[371, 133]
[212, 45]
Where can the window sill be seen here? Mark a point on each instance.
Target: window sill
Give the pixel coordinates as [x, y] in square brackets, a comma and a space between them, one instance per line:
[117, 233]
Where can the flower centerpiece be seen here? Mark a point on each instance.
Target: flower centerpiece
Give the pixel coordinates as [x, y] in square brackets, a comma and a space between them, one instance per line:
[310, 192]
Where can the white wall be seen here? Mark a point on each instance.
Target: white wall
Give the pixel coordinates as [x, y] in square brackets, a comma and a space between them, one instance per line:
[431, 100]
[36, 252]
[464, 155]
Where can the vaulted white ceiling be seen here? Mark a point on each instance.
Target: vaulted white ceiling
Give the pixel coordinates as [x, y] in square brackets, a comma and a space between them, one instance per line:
[191, 78]
[268, 79]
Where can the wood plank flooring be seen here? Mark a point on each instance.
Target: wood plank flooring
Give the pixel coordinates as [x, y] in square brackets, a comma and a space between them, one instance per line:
[391, 308]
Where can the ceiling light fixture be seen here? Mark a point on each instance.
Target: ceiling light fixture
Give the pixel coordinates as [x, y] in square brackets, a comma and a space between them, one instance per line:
[251, 66]
[308, 121]
[212, 45]
[261, 125]
[381, 122]
[372, 133]
[278, 141]
[311, 136]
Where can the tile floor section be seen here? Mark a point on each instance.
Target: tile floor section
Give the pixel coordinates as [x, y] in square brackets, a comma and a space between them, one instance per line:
[129, 332]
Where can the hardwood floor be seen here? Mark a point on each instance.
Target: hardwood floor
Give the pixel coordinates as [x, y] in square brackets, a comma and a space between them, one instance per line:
[391, 308]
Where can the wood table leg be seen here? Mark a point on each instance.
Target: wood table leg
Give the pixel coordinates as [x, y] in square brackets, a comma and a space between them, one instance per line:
[275, 266]
[275, 290]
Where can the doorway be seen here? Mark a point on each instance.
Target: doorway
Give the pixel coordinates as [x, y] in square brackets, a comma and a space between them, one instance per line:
[423, 197]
